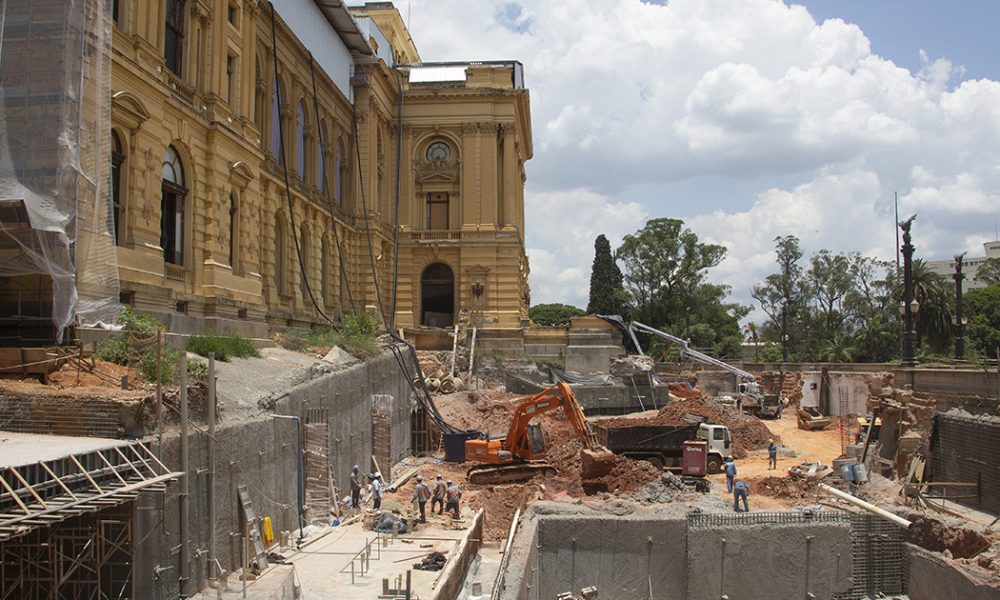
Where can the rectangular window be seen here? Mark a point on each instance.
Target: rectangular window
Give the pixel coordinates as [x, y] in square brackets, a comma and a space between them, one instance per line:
[174, 35]
[116, 12]
[231, 14]
[230, 79]
[437, 211]
[172, 228]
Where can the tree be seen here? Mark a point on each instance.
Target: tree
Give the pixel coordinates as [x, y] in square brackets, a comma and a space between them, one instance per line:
[783, 296]
[982, 307]
[830, 282]
[989, 271]
[935, 295]
[553, 314]
[664, 265]
[607, 292]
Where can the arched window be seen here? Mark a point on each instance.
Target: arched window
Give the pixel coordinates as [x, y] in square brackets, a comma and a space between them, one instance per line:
[300, 140]
[280, 254]
[304, 246]
[173, 192]
[338, 173]
[234, 232]
[174, 36]
[117, 201]
[276, 124]
[321, 161]
[259, 98]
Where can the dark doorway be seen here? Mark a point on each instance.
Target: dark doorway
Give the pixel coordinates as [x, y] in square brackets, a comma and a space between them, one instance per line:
[437, 296]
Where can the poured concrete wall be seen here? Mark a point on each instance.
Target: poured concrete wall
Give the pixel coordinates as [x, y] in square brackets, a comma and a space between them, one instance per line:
[622, 555]
[931, 578]
[769, 561]
[262, 453]
[665, 554]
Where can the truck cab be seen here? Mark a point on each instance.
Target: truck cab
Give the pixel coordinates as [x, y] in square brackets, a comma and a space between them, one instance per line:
[720, 444]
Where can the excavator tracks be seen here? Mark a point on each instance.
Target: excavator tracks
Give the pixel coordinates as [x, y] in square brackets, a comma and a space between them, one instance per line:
[509, 473]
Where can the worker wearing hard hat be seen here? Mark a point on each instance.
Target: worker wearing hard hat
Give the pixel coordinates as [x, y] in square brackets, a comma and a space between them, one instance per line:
[772, 455]
[376, 490]
[730, 468]
[440, 490]
[421, 494]
[453, 495]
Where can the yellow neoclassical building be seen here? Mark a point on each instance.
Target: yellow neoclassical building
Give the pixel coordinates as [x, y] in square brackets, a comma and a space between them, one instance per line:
[273, 167]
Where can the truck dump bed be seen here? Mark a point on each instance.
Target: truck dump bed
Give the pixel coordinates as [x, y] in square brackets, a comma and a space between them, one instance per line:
[645, 437]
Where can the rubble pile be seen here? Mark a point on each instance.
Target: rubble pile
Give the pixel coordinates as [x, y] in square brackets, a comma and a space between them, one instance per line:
[666, 488]
[789, 488]
[748, 432]
[632, 365]
[933, 535]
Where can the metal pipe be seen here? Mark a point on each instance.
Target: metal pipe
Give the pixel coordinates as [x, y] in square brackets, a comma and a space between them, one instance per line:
[212, 573]
[183, 499]
[159, 390]
[866, 506]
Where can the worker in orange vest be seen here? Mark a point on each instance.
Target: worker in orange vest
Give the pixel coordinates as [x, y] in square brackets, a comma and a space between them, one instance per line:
[421, 494]
[453, 495]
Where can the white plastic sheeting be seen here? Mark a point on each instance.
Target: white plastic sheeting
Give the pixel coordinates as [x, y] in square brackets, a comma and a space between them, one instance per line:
[55, 123]
[314, 31]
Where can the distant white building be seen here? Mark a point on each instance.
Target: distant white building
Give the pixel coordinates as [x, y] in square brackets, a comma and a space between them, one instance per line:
[970, 265]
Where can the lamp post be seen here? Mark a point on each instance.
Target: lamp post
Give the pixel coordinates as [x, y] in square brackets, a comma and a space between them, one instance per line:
[909, 306]
[959, 321]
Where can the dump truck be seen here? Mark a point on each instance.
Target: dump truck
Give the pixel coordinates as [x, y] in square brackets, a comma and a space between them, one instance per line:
[663, 445]
[770, 407]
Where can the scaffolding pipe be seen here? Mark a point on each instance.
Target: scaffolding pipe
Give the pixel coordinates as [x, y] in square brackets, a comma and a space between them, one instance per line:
[212, 573]
[185, 570]
[866, 506]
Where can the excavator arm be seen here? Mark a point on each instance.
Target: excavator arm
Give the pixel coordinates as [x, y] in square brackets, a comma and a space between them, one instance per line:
[557, 396]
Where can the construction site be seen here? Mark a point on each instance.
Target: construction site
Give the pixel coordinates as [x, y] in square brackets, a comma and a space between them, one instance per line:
[454, 449]
[607, 489]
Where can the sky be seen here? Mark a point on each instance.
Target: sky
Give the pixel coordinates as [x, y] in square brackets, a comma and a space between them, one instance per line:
[748, 119]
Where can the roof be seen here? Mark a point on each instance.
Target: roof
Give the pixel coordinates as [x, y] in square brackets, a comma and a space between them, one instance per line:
[343, 23]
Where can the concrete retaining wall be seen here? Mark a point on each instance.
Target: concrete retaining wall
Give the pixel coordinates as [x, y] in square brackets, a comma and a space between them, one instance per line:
[769, 561]
[262, 453]
[931, 578]
[624, 557]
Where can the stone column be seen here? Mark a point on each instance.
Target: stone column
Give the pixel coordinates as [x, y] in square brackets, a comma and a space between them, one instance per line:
[510, 177]
[471, 209]
[489, 174]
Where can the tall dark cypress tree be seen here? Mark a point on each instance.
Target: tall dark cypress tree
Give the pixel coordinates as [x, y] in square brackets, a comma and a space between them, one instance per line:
[607, 292]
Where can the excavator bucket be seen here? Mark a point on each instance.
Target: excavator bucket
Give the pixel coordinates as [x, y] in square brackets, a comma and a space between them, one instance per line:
[596, 463]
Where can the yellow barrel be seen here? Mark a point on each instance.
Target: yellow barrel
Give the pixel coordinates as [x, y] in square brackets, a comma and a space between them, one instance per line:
[268, 532]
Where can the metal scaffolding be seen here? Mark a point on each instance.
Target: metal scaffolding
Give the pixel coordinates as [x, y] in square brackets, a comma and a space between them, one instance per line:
[66, 523]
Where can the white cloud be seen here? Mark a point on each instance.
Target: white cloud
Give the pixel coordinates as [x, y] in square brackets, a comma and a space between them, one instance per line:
[628, 95]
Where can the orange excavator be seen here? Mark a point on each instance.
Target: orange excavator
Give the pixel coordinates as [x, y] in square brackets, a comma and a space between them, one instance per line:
[521, 454]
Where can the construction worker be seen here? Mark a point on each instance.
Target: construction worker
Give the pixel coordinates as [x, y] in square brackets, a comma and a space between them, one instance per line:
[730, 473]
[453, 494]
[421, 494]
[772, 455]
[440, 489]
[356, 487]
[741, 490]
[376, 490]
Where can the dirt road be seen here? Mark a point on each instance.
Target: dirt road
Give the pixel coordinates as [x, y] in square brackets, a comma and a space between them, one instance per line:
[823, 446]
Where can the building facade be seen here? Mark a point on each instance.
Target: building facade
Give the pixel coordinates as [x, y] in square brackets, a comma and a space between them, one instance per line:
[970, 266]
[267, 165]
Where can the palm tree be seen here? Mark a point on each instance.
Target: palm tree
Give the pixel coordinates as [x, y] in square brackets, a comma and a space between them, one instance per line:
[932, 291]
[839, 349]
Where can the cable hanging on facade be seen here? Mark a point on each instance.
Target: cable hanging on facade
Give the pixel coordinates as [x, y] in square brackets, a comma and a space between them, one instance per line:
[322, 158]
[288, 187]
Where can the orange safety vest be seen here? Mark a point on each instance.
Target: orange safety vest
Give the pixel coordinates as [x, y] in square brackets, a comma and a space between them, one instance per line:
[422, 493]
